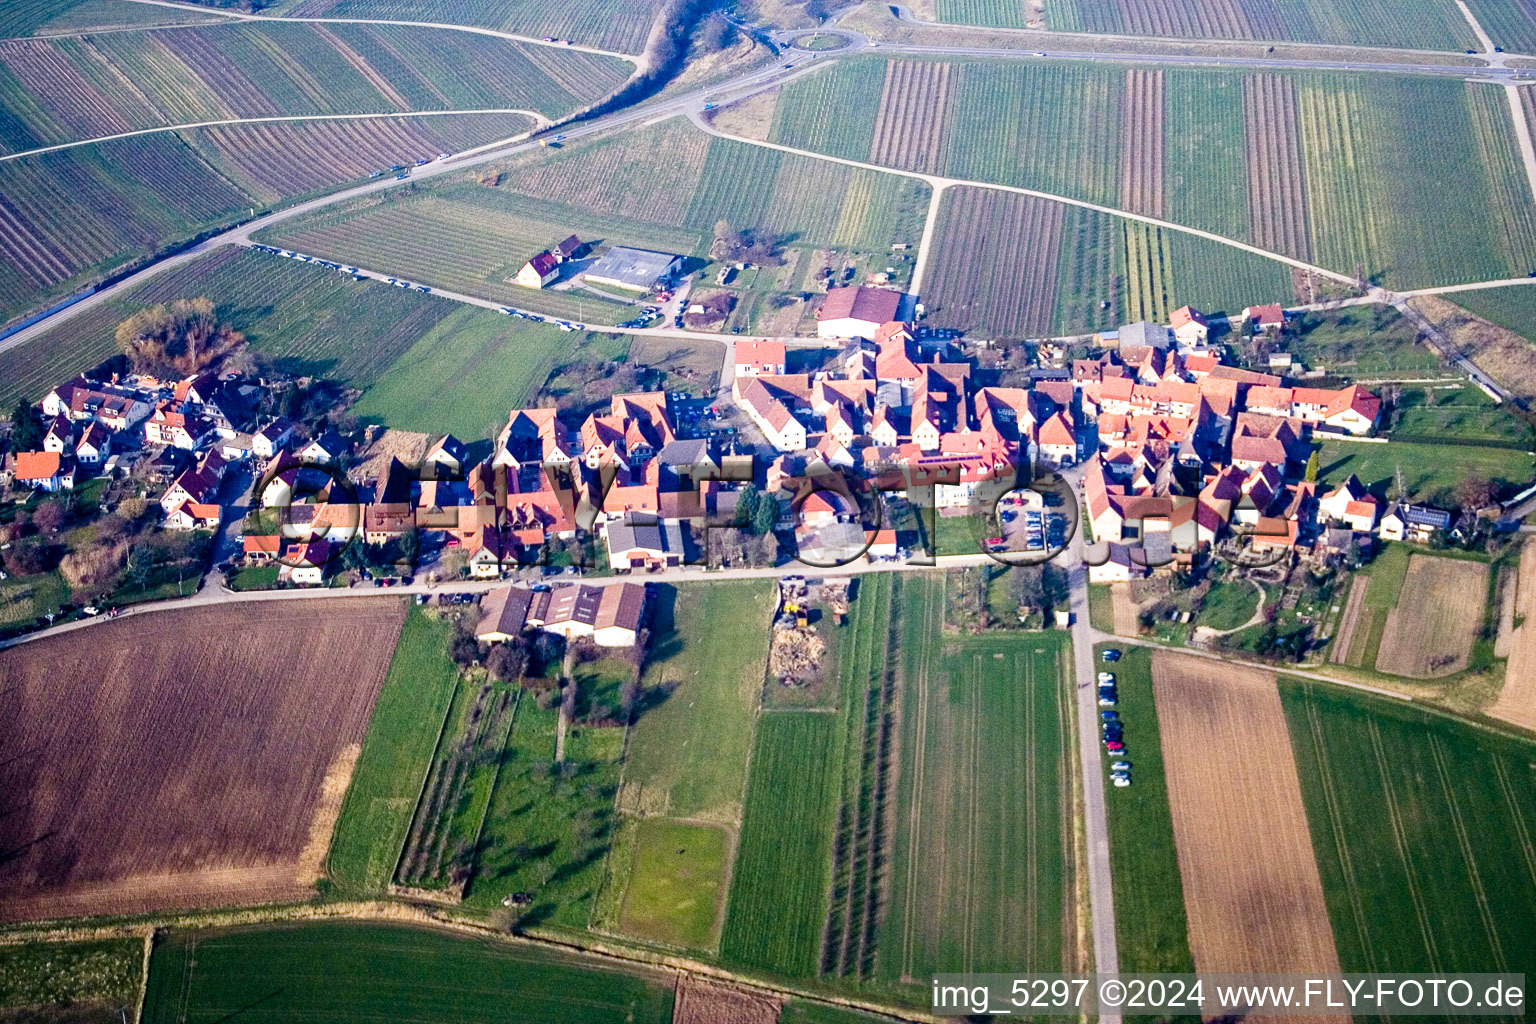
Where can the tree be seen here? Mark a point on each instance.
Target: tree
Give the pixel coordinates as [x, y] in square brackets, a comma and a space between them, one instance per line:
[765, 517]
[464, 650]
[50, 517]
[26, 428]
[1472, 493]
[746, 505]
[715, 34]
[1312, 468]
[181, 337]
[507, 661]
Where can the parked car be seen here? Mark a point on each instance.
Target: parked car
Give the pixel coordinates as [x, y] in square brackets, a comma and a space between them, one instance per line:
[1121, 782]
[1111, 654]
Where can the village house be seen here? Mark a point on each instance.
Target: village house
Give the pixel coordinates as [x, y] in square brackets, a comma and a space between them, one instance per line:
[270, 439]
[117, 407]
[1189, 327]
[641, 541]
[46, 471]
[539, 271]
[503, 614]
[756, 358]
[308, 564]
[1270, 318]
[260, 549]
[170, 425]
[1351, 504]
[1417, 523]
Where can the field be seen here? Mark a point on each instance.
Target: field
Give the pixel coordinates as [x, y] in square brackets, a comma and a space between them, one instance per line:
[1310, 165]
[1511, 308]
[348, 972]
[700, 1001]
[674, 885]
[92, 979]
[779, 887]
[548, 827]
[1362, 344]
[441, 847]
[1417, 24]
[1517, 701]
[1458, 413]
[61, 90]
[1422, 830]
[1277, 186]
[397, 752]
[1431, 633]
[914, 110]
[688, 754]
[286, 159]
[1510, 25]
[995, 264]
[1151, 928]
[861, 850]
[401, 347]
[1251, 887]
[131, 694]
[983, 806]
[619, 25]
[1430, 471]
[52, 17]
[1141, 167]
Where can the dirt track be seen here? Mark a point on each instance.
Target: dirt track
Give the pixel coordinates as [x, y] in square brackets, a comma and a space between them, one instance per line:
[1429, 633]
[1517, 701]
[184, 759]
[1354, 626]
[1251, 885]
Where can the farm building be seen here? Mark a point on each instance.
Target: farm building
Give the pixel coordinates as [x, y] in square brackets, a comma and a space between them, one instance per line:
[504, 612]
[754, 358]
[539, 271]
[610, 615]
[856, 312]
[638, 270]
[1154, 336]
[572, 248]
[1265, 318]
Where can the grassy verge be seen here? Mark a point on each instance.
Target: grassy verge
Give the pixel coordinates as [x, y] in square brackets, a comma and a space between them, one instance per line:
[1149, 893]
[396, 754]
[83, 976]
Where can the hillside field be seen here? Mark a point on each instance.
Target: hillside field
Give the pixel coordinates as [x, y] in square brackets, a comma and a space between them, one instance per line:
[1413, 24]
[355, 972]
[619, 25]
[1374, 173]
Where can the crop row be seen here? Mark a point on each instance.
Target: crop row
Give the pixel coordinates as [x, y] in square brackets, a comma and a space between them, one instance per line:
[995, 264]
[779, 884]
[1423, 24]
[281, 159]
[64, 89]
[1277, 188]
[618, 25]
[1141, 163]
[861, 847]
[914, 114]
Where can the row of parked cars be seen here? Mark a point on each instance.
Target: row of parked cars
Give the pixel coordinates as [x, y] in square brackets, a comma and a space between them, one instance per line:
[1114, 729]
[647, 314]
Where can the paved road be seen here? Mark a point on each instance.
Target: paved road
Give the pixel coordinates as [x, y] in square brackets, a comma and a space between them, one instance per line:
[1101, 889]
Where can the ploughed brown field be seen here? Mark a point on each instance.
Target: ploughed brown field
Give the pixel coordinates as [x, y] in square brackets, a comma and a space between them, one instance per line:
[1431, 630]
[184, 758]
[1517, 701]
[700, 1001]
[1251, 885]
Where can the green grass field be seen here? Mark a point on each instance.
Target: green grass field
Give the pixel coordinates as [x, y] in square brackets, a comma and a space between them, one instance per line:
[674, 887]
[1149, 893]
[548, 828]
[779, 887]
[799, 1011]
[397, 751]
[49, 17]
[983, 808]
[1461, 412]
[1430, 471]
[1513, 308]
[1361, 343]
[1422, 826]
[688, 754]
[347, 972]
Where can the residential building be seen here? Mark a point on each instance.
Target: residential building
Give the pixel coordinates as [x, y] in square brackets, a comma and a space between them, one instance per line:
[856, 312]
[539, 271]
[611, 615]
